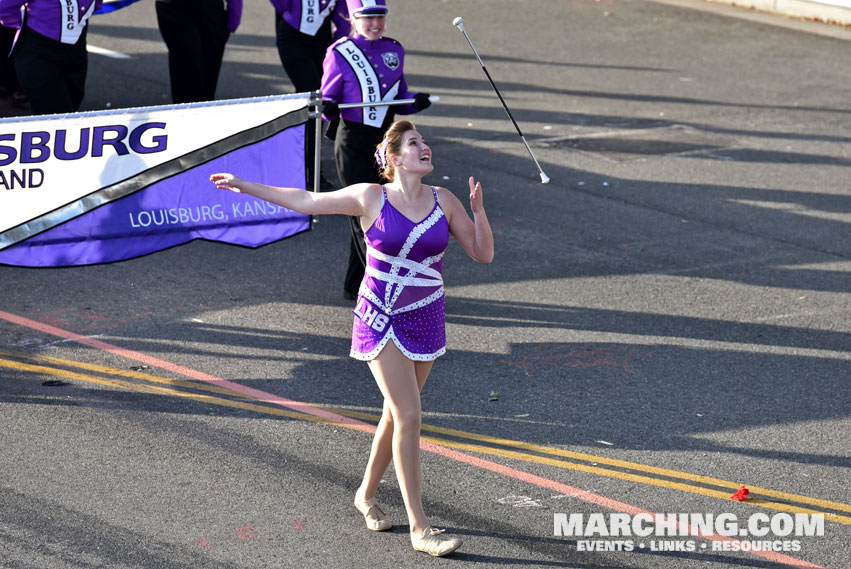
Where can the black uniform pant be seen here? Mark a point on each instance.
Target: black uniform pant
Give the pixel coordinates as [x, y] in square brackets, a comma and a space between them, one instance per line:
[8, 77]
[195, 33]
[302, 56]
[354, 152]
[51, 73]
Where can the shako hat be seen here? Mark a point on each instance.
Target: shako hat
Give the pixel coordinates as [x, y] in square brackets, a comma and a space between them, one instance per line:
[366, 8]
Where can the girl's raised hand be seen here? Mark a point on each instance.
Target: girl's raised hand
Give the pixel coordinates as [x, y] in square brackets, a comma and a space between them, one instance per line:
[476, 201]
[226, 182]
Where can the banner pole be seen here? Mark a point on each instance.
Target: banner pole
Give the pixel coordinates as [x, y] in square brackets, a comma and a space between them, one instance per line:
[316, 114]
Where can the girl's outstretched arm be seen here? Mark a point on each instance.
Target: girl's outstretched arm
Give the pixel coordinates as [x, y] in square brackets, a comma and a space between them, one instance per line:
[349, 200]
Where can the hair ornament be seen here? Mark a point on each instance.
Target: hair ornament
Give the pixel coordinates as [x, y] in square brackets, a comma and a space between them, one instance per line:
[381, 153]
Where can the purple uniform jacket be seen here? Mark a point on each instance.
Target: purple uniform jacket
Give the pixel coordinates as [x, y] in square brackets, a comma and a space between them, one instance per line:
[65, 21]
[234, 13]
[60, 21]
[357, 70]
[307, 16]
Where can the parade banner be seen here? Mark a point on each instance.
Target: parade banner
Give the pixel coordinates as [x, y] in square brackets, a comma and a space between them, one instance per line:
[99, 187]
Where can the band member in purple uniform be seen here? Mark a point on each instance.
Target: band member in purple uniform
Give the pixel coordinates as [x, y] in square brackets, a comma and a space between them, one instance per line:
[364, 67]
[303, 31]
[399, 317]
[195, 33]
[50, 52]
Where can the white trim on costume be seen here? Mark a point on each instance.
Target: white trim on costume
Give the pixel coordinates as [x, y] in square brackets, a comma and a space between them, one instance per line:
[371, 355]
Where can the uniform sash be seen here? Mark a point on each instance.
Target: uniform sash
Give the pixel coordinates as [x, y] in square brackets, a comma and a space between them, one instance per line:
[370, 86]
[311, 21]
[73, 23]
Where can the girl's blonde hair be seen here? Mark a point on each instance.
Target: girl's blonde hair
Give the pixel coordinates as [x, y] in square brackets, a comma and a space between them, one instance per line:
[390, 146]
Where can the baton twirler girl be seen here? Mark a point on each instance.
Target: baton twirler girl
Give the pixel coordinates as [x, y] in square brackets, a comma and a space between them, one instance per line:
[399, 324]
[363, 68]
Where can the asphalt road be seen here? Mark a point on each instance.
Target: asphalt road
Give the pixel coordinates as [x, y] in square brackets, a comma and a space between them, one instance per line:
[665, 321]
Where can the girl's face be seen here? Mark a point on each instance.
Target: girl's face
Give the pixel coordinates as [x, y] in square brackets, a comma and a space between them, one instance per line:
[370, 27]
[414, 154]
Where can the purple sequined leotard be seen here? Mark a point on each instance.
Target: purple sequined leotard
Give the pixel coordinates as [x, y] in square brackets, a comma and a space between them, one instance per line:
[401, 296]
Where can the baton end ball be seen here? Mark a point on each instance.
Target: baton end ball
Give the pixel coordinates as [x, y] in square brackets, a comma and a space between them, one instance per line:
[458, 21]
[544, 178]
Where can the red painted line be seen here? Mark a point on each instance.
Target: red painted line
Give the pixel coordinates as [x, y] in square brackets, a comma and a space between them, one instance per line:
[508, 471]
[597, 499]
[187, 372]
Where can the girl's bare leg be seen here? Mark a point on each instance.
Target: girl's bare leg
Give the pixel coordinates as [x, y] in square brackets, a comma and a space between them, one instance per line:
[400, 381]
[379, 456]
[382, 450]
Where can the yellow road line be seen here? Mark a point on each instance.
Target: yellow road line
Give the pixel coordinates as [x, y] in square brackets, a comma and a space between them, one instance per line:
[163, 390]
[73, 375]
[123, 373]
[633, 478]
[526, 457]
[629, 465]
[649, 469]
